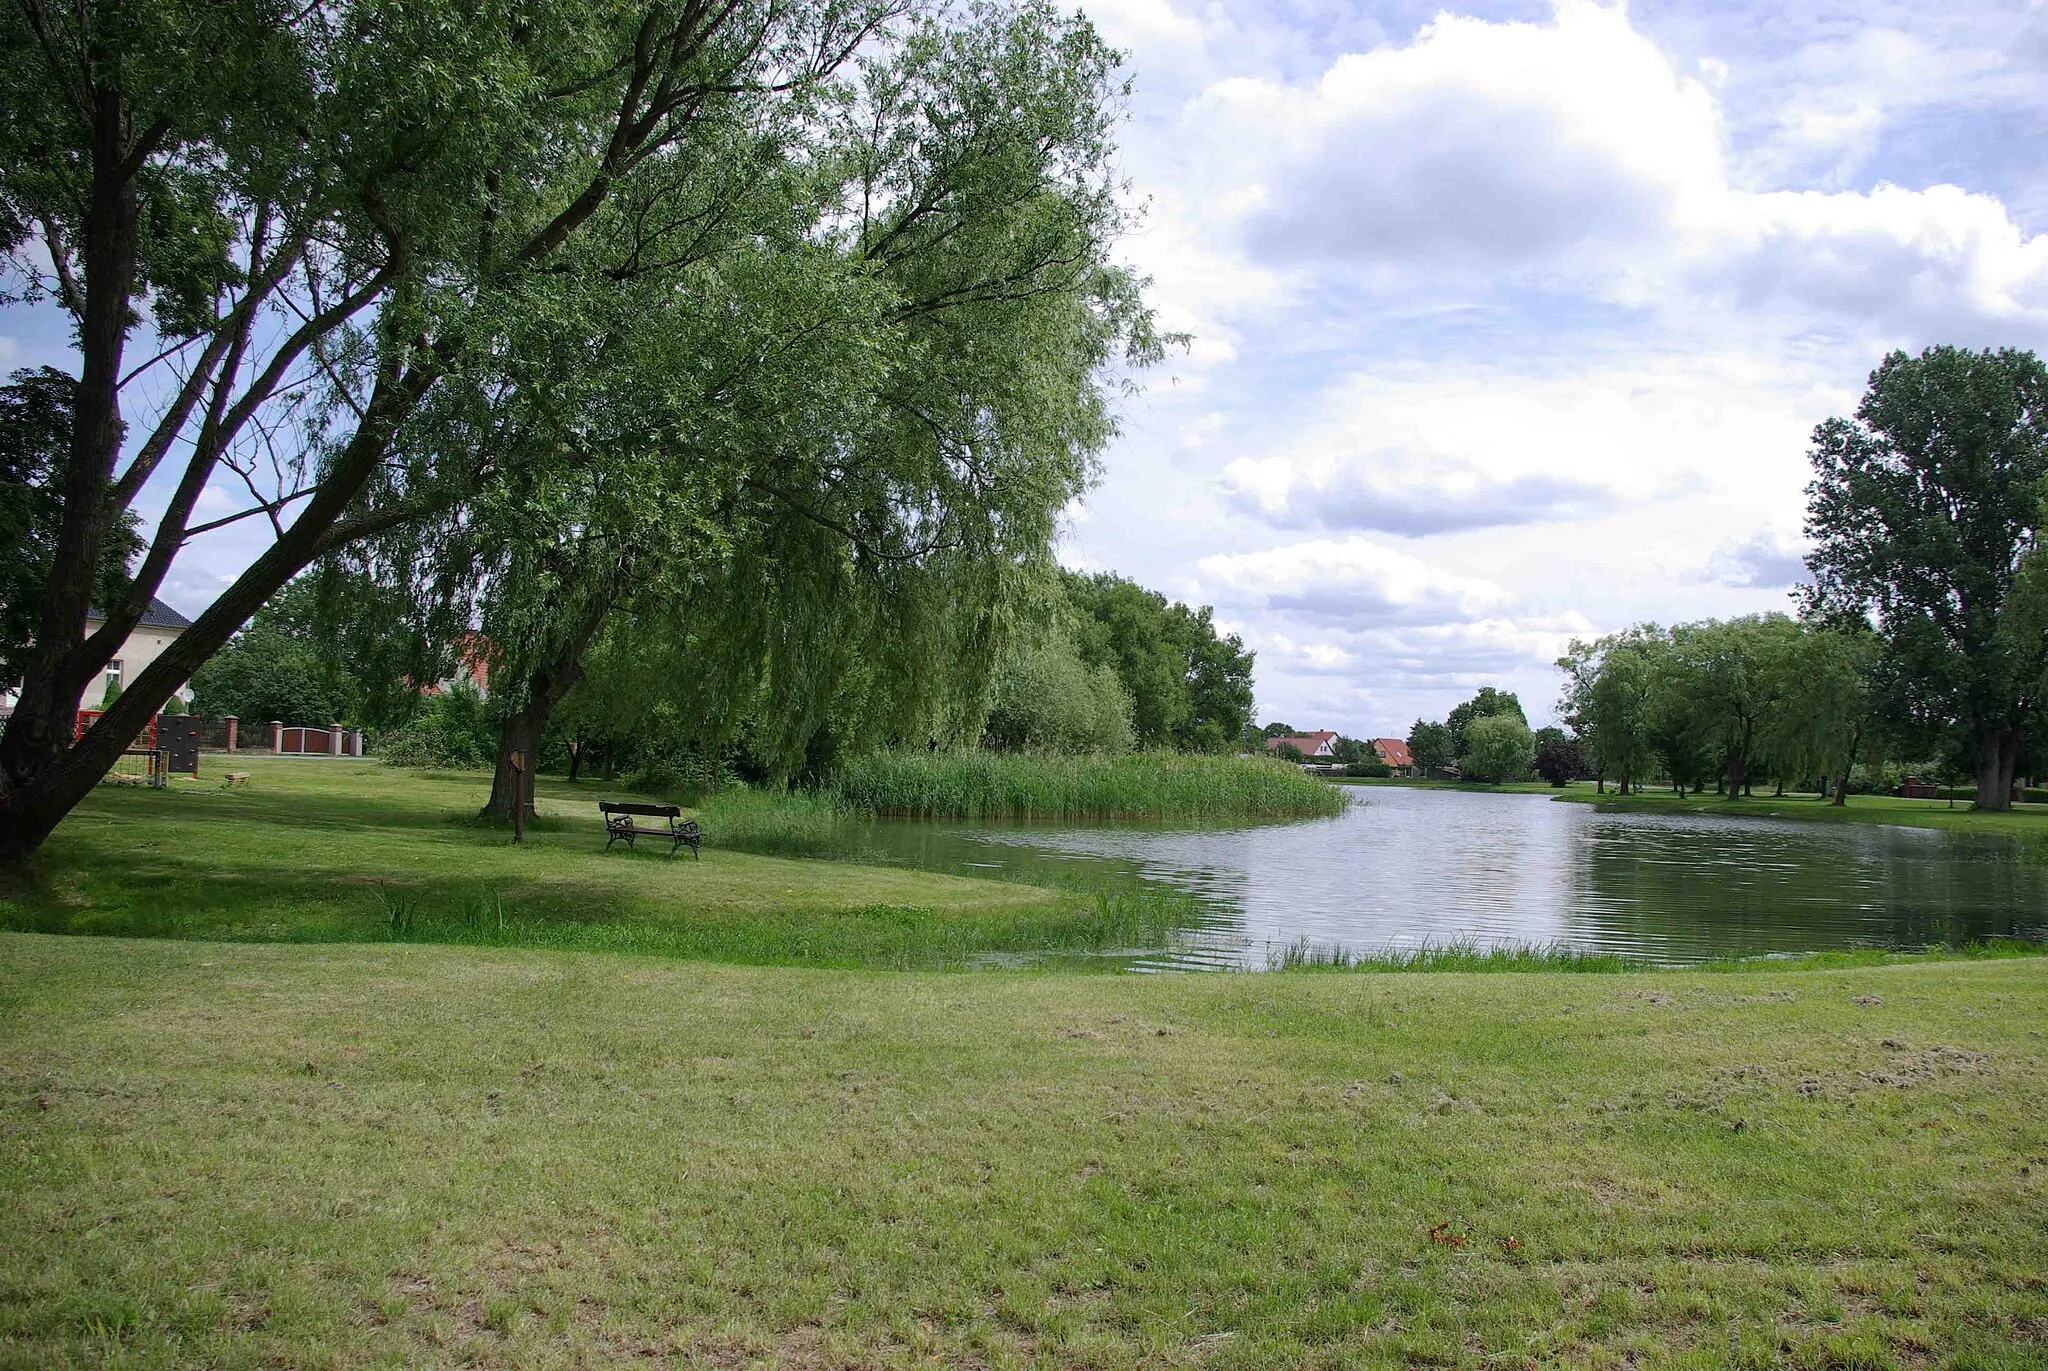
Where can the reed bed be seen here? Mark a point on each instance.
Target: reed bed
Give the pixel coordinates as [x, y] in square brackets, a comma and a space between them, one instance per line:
[1457, 955]
[1144, 785]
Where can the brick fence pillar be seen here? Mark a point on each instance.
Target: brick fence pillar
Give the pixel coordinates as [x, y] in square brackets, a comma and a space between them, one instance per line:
[277, 735]
[355, 743]
[230, 721]
[334, 740]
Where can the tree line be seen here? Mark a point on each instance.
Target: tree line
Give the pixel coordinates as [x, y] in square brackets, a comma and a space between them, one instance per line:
[1922, 637]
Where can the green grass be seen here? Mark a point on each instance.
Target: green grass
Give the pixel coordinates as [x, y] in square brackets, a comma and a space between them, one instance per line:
[339, 851]
[1145, 785]
[1480, 787]
[2022, 821]
[246, 1155]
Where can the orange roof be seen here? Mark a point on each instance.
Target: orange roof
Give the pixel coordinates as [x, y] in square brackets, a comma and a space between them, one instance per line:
[1393, 751]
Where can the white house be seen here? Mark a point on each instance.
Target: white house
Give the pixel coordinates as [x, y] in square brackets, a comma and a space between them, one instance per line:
[158, 628]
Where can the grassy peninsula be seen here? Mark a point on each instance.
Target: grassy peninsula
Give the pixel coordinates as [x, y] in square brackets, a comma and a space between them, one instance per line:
[345, 851]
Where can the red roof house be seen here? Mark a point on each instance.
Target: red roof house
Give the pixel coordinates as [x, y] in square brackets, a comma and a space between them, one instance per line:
[1318, 744]
[1394, 753]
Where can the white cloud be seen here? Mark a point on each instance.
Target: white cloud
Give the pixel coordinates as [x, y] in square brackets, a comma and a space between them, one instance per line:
[1403, 492]
[1354, 581]
[1574, 150]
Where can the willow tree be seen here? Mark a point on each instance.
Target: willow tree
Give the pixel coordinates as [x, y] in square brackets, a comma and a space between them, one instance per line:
[859, 464]
[314, 219]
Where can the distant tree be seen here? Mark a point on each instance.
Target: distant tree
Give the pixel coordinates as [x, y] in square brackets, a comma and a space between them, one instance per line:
[1190, 687]
[1288, 752]
[1498, 747]
[1048, 699]
[1432, 747]
[1369, 764]
[283, 666]
[1348, 750]
[1281, 731]
[1484, 705]
[1922, 509]
[1558, 759]
[1733, 680]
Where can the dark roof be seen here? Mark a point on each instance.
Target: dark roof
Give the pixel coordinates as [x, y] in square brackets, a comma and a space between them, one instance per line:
[158, 615]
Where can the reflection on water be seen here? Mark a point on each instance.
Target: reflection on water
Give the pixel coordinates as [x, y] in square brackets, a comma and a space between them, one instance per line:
[1401, 868]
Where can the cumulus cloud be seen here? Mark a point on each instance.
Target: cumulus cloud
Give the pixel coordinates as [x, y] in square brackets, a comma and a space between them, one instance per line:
[1575, 150]
[1352, 581]
[1404, 493]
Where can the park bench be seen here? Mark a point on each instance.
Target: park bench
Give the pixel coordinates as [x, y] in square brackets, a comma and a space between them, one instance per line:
[619, 826]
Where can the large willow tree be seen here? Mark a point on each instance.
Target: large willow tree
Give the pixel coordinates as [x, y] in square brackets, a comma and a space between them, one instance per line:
[280, 232]
[818, 480]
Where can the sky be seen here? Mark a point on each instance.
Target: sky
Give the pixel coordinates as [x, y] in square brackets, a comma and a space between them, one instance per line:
[1509, 320]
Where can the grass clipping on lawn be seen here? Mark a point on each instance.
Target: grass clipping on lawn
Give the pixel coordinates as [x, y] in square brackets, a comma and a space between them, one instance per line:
[246, 1155]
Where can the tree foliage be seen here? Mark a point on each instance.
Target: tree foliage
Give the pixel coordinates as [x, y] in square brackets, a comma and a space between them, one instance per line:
[1498, 747]
[1923, 509]
[1191, 687]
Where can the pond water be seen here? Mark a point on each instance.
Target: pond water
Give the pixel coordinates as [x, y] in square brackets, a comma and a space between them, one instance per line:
[1403, 868]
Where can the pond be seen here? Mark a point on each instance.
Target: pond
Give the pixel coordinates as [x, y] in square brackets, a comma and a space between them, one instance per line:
[1403, 868]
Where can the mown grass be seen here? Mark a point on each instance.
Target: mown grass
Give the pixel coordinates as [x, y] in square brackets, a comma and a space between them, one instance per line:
[339, 851]
[2027, 822]
[1146, 785]
[241, 1156]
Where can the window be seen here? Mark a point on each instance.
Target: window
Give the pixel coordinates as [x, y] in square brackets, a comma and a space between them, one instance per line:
[113, 673]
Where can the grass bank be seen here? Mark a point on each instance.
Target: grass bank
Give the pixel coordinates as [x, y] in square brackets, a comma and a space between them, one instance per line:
[1145, 785]
[1481, 787]
[240, 1155]
[343, 851]
[2028, 822]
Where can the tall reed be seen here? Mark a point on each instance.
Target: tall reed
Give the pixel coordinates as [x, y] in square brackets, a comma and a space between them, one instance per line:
[1144, 785]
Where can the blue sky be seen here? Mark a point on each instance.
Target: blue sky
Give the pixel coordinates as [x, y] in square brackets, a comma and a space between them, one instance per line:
[1511, 320]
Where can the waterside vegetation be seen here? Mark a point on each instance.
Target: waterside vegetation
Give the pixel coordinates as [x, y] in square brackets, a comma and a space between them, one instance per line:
[1155, 785]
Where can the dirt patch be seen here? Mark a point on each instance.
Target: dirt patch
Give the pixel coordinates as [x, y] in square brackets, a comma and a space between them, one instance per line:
[1910, 1068]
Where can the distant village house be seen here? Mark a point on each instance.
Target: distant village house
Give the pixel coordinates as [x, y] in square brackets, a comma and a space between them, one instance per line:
[1321, 743]
[1394, 752]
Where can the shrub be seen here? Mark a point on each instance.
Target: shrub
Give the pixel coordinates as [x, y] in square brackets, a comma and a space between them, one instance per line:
[1369, 764]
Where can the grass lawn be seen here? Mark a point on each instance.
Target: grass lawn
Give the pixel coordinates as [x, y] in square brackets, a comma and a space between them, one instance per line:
[246, 1155]
[324, 851]
[2028, 822]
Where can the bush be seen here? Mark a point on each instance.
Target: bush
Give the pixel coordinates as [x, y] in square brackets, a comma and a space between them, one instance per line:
[1049, 700]
[1369, 765]
[452, 730]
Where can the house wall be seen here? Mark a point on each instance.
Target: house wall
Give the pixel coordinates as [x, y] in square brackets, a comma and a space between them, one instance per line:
[144, 646]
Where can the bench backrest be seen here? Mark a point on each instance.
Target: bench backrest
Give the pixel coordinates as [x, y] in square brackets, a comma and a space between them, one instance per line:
[653, 811]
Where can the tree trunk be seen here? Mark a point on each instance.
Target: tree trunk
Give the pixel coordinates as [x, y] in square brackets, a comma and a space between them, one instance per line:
[550, 681]
[576, 746]
[1998, 757]
[611, 760]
